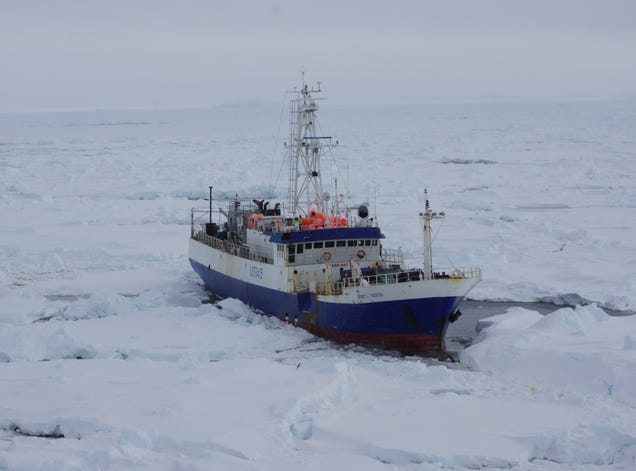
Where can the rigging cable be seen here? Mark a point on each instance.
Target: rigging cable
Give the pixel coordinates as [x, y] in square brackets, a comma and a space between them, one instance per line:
[271, 172]
[438, 229]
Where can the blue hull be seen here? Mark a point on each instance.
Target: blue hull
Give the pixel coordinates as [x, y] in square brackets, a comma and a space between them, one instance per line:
[411, 326]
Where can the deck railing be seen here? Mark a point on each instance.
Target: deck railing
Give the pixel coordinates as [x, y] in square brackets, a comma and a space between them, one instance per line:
[395, 278]
[392, 256]
[231, 248]
[458, 272]
[198, 215]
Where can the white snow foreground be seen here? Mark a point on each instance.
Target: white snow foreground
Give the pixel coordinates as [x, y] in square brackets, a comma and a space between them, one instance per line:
[580, 359]
[161, 382]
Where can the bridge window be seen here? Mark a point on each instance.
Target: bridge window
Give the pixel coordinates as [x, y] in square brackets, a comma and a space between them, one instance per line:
[367, 243]
[317, 245]
[329, 244]
[299, 248]
[308, 245]
[292, 249]
[351, 243]
[375, 242]
[341, 243]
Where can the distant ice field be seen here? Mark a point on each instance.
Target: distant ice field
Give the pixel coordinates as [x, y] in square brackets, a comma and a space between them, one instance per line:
[541, 196]
[110, 358]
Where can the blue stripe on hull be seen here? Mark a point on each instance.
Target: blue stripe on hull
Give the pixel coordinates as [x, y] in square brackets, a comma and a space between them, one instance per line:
[425, 317]
[326, 234]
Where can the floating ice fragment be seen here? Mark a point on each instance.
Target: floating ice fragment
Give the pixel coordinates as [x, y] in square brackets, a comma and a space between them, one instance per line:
[574, 321]
[180, 299]
[136, 438]
[41, 430]
[303, 428]
[459, 392]
[467, 161]
[506, 218]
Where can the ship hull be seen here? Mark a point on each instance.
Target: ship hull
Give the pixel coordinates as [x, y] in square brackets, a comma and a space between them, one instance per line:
[403, 319]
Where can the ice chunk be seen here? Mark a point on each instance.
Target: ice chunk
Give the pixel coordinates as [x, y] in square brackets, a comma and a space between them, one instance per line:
[572, 321]
[303, 428]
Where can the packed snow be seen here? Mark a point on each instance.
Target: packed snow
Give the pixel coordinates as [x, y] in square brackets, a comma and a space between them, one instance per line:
[113, 355]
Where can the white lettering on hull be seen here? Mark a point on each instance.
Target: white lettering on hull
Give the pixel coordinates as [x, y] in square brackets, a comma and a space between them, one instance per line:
[256, 272]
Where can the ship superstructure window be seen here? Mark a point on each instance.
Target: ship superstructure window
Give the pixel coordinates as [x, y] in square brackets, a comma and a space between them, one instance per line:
[293, 250]
[291, 253]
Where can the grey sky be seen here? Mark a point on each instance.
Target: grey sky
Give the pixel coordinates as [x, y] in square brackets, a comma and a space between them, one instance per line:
[88, 54]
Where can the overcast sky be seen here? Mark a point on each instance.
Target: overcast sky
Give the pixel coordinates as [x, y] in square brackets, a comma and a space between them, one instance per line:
[62, 54]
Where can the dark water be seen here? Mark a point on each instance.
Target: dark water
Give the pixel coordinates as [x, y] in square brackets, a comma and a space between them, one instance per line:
[461, 333]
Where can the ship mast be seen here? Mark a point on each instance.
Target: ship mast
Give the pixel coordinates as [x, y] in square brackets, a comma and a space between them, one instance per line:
[427, 216]
[304, 151]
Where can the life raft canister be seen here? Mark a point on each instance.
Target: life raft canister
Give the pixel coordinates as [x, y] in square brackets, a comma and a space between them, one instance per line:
[319, 221]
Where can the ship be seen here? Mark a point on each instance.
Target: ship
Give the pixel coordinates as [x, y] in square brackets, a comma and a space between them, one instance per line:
[319, 263]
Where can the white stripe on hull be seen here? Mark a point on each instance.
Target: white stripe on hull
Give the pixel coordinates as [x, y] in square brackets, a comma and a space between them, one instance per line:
[420, 289]
[250, 271]
[280, 278]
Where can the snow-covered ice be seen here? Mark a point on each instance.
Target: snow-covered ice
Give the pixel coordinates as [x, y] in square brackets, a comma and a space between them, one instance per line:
[112, 357]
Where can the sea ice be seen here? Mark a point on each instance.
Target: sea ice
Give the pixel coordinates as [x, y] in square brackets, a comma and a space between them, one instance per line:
[143, 372]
